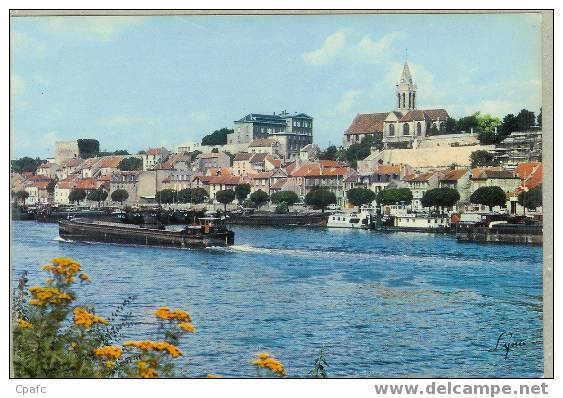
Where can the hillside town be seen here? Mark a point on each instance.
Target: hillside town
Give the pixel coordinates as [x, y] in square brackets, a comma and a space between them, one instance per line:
[404, 148]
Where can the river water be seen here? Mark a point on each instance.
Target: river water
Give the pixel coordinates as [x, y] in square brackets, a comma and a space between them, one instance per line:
[380, 304]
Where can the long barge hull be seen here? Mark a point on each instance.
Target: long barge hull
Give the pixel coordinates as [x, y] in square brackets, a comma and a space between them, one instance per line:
[132, 234]
[316, 220]
[526, 236]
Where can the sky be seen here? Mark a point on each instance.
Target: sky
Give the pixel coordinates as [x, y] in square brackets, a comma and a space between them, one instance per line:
[139, 82]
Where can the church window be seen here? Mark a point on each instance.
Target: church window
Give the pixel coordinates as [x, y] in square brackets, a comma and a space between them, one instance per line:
[398, 100]
[403, 100]
[418, 129]
[413, 103]
[409, 100]
[391, 129]
[406, 129]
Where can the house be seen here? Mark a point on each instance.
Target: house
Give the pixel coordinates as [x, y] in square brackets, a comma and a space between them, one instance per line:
[212, 159]
[494, 176]
[309, 153]
[421, 183]
[325, 174]
[47, 170]
[37, 190]
[265, 145]
[153, 157]
[261, 181]
[382, 176]
[460, 180]
[128, 181]
[64, 187]
[221, 183]
[177, 161]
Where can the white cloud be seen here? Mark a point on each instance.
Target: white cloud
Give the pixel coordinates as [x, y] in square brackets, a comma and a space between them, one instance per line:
[332, 46]
[376, 51]
[347, 101]
[22, 44]
[100, 28]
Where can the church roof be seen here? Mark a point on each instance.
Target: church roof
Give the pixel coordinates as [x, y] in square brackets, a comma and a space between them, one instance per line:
[367, 123]
[406, 76]
[424, 114]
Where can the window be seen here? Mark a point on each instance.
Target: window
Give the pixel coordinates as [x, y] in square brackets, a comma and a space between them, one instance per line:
[406, 129]
[418, 129]
[391, 129]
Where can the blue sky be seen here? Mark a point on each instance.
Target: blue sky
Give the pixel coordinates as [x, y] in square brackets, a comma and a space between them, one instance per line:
[135, 82]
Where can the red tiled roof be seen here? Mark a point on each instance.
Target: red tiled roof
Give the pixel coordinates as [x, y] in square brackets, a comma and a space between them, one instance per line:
[367, 123]
[436, 114]
[524, 170]
[422, 177]
[414, 115]
[315, 170]
[72, 162]
[155, 151]
[259, 157]
[111, 161]
[389, 169]
[86, 183]
[481, 173]
[263, 142]
[215, 171]
[330, 163]
[225, 180]
[241, 156]
[454, 175]
[274, 162]
[533, 178]
[260, 175]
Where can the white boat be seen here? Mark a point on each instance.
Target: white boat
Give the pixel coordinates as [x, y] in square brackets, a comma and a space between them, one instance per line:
[421, 222]
[361, 220]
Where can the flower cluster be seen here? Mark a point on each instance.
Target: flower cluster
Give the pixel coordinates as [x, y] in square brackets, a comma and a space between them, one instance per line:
[86, 319]
[145, 371]
[24, 324]
[188, 327]
[110, 352]
[50, 295]
[64, 267]
[266, 361]
[165, 313]
[156, 346]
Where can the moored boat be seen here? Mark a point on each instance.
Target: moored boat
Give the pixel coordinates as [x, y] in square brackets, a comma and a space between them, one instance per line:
[361, 220]
[210, 231]
[272, 219]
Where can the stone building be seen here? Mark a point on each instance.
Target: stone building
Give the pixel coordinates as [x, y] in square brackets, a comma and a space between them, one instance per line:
[66, 150]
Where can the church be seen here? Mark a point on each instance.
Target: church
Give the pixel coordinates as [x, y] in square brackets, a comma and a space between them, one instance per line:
[405, 127]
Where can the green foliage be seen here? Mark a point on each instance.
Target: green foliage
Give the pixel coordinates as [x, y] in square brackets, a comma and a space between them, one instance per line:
[260, 198]
[97, 195]
[525, 120]
[329, 153]
[119, 195]
[319, 369]
[482, 158]
[320, 198]
[468, 122]
[508, 125]
[444, 197]
[488, 127]
[288, 197]
[451, 125]
[531, 199]
[218, 137]
[88, 147]
[248, 204]
[130, 164]
[226, 196]
[192, 195]
[25, 164]
[22, 195]
[121, 152]
[282, 208]
[76, 195]
[360, 196]
[242, 191]
[361, 150]
[166, 196]
[394, 196]
[489, 196]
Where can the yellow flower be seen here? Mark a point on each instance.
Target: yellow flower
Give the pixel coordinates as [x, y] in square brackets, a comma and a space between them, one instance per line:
[44, 295]
[179, 315]
[24, 324]
[156, 346]
[111, 352]
[162, 312]
[188, 327]
[36, 302]
[86, 319]
[210, 376]
[145, 371]
[110, 364]
[84, 277]
[268, 362]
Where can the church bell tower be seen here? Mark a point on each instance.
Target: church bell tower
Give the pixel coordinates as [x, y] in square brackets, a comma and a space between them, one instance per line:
[405, 99]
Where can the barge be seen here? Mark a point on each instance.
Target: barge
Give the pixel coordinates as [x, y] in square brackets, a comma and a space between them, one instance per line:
[272, 219]
[500, 232]
[210, 231]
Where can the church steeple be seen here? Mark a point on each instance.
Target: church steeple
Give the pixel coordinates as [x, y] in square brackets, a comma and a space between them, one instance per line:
[406, 91]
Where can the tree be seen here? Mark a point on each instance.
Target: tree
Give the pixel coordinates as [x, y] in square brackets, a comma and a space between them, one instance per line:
[508, 125]
[539, 119]
[248, 204]
[76, 195]
[88, 147]
[121, 152]
[489, 196]
[433, 130]
[282, 208]
[260, 198]
[242, 191]
[445, 197]
[226, 196]
[130, 164]
[360, 196]
[488, 126]
[166, 196]
[451, 125]
[288, 197]
[361, 150]
[25, 164]
[482, 158]
[394, 196]
[525, 120]
[97, 195]
[468, 122]
[51, 187]
[531, 199]
[218, 137]
[22, 195]
[320, 198]
[119, 195]
[329, 153]
[198, 195]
